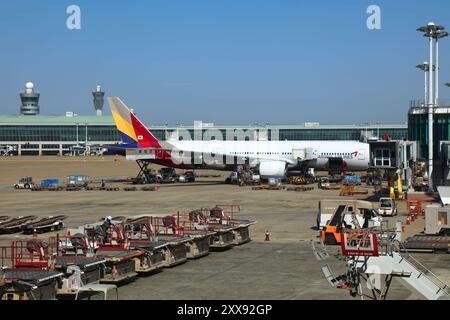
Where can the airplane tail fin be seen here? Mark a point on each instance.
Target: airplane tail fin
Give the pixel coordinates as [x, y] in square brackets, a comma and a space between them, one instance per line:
[132, 131]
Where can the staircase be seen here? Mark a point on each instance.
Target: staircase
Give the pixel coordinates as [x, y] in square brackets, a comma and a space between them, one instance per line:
[421, 280]
[410, 271]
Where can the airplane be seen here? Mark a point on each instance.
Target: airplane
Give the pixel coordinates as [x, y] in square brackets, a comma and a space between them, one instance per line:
[272, 159]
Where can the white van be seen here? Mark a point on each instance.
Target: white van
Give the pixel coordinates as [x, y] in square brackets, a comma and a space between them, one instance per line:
[387, 207]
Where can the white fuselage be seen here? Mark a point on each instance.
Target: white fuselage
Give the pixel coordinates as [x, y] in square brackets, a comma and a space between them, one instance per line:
[317, 154]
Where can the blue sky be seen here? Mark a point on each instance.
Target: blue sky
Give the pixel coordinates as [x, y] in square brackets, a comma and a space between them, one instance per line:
[222, 61]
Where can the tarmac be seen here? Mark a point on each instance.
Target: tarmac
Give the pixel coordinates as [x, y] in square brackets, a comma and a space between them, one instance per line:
[282, 268]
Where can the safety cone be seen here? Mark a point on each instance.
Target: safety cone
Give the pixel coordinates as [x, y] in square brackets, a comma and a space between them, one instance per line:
[408, 220]
[68, 233]
[267, 238]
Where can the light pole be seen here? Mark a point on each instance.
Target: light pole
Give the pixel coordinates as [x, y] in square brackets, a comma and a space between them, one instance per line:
[426, 68]
[439, 34]
[430, 32]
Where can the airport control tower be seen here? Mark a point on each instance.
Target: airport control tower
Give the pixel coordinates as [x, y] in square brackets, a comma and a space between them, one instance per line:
[98, 100]
[30, 101]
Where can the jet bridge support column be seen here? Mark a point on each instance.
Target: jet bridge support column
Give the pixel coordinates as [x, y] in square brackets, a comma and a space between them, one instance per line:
[407, 153]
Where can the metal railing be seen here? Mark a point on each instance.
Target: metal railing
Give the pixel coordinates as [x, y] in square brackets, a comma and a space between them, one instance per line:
[406, 255]
[420, 106]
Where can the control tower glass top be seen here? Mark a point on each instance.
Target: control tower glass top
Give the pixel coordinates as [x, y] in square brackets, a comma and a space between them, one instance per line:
[30, 101]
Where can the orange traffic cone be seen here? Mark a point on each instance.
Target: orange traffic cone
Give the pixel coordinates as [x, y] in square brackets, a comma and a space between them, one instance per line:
[408, 220]
[267, 238]
[68, 233]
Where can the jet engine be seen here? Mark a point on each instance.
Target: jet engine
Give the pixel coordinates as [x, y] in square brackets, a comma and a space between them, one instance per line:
[272, 169]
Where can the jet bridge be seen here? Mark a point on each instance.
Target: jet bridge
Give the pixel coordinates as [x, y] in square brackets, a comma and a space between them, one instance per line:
[389, 156]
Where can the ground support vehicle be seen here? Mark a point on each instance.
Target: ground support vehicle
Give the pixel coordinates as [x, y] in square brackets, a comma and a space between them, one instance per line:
[24, 183]
[387, 207]
[15, 225]
[98, 292]
[44, 225]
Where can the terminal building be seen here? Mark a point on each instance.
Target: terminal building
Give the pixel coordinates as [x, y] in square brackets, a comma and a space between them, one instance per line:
[31, 133]
[53, 135]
